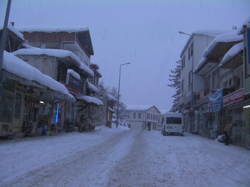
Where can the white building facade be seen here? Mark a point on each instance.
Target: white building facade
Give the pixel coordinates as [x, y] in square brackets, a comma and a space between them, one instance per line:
[142, 118]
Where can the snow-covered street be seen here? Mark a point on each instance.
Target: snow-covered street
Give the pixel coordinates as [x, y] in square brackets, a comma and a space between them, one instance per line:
[119, 157]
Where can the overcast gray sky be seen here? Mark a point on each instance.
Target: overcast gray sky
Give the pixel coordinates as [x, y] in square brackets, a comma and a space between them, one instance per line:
[142, 32]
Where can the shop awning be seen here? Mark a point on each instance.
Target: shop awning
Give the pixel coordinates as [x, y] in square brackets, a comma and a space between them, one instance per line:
[92, 87]
[90, 99]
[18, 67]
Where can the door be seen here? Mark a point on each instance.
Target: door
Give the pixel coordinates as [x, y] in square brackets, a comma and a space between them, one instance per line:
[18, 110]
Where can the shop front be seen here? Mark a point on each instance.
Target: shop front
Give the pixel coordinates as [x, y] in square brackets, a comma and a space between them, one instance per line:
[11, 108]
[236, 110]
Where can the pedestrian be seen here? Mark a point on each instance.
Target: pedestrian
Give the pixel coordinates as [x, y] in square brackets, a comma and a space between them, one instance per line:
[82, 123]
[228, 132]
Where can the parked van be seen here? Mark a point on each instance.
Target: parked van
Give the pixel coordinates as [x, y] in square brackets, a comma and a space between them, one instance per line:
[173, 124]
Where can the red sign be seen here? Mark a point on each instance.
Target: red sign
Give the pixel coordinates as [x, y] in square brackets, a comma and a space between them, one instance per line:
[71, 89]
[233, 97]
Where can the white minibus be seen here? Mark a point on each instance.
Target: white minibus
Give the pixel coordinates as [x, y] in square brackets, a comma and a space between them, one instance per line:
[172, 124]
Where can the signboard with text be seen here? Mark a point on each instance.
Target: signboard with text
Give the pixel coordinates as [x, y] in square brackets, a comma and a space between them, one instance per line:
[233, 97]
[215, 101]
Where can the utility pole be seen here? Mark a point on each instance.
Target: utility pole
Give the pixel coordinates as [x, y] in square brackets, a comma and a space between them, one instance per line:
[2, 45]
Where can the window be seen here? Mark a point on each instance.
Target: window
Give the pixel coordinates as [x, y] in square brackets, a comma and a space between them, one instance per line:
[189, 53]
[215, 83]
[207, 85]
[148, 116]
[134, 115]
[139, 116]
[128, 115]
[182, 85]
[6, 108]
[173, 120]
[17, 112]
[183, 62]
[190, 75]
[192, 49]
[61, 72]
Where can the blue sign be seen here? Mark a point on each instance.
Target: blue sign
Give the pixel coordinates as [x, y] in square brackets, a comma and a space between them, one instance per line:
[215, 101]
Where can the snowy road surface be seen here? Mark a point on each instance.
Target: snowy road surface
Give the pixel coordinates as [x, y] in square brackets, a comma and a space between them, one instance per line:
[118, 157]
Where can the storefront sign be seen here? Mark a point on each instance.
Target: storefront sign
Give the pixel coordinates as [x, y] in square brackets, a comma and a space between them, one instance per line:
[71, 89]
[73, 82]
[31, 92]
[215, 101]
[233, 97]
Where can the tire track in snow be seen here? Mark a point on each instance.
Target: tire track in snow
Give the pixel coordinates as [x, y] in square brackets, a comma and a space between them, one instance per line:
[142, 166]
[86, 168]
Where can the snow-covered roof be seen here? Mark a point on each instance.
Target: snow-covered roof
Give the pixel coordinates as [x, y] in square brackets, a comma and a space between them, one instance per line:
[205, 32]
[92, 87]
[228, 37]
[242, 27]
[139, 107]
[98, 72]
[91, 63]
[200, 64]
[90, 99]
[111, 97]
[60, 53]
[232, 52]
[50, 28]
[22, 69]
[14, 30]
[74, 74]
[211, 32]
[164, 111]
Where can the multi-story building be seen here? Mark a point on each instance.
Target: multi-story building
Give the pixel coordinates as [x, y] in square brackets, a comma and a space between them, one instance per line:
[65, 56]
[22, 87]
[221, 94]
[142, 117]
[208, 115]
[190, 83]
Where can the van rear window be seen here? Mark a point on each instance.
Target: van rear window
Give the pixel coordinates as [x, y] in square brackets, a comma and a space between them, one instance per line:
[173, 120]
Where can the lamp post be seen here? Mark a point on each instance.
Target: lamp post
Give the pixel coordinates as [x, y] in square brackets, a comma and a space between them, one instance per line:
[191, 121]
[117, 110]
[181, 32]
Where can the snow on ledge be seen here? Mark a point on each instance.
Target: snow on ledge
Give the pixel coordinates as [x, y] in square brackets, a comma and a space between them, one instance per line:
[90, 99]
[14, 30]
[228, 37]
[139, 107]
[22, 69]
[60, 53]
[200, 64]
[50, 28]
[92, 87]
[74, 74]
[231, 53]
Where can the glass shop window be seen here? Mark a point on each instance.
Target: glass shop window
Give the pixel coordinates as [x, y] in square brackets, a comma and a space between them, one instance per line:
[6, 108]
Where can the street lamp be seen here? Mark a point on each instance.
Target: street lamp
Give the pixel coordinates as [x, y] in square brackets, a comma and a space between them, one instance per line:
[181, 32]
[117, 110]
